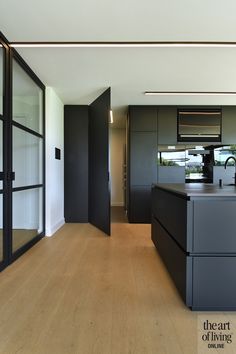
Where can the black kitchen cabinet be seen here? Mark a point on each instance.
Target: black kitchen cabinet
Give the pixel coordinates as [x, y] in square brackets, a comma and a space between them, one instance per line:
[167, 125]
[214, 285]
[178, 264]
[193, 230]
[143, 157]
[143, 118]
[141, 162]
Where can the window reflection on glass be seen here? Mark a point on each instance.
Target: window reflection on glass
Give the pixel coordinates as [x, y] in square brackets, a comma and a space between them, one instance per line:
[27, 100]
[27, 216]
[196, 160]
[222, 153]
[169, 155]
[199, 165]
[1, 79]
[27, 158]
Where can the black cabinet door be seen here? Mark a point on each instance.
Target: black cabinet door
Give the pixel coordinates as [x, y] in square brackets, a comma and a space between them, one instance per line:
[214, 226]
[143, 118]
[140, 204]
[177, 262]
[99, 191]
[143, 158]
[142, 161]
[214, 283]
[167, 125]
[171, 211]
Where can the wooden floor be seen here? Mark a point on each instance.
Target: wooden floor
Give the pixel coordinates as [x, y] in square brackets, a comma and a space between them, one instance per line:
[82, 292]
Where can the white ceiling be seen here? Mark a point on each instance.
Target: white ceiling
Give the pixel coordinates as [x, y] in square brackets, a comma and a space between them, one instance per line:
[80, 75]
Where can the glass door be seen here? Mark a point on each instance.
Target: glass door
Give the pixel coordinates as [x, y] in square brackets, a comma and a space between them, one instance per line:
[27, 160]
[1, 152]
[22, 146]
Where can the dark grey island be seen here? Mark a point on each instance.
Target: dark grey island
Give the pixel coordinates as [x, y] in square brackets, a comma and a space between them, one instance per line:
[194, 231]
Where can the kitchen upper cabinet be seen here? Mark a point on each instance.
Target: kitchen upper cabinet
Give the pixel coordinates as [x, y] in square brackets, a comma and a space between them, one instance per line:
[229, 125]
[167, 125]
[143, 158]
[143, 118]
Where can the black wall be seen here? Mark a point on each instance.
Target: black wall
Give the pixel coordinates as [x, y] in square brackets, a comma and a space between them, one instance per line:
[99, 193]
[76, 122]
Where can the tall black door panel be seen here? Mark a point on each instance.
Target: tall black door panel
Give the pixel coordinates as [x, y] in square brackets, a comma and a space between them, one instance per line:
[76, 163]
[99, 192]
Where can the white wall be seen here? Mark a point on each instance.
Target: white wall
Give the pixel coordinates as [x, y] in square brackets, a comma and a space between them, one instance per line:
[116, 149]
[54, 168]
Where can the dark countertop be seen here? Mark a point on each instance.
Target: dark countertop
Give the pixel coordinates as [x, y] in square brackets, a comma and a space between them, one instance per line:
[198, 189]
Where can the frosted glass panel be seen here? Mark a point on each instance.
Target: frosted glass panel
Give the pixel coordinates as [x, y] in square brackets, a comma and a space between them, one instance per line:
[27, 100]
[1, 79]
[27, 158]
[27, 216]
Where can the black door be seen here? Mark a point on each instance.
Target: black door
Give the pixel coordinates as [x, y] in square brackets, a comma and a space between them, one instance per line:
[99, 191]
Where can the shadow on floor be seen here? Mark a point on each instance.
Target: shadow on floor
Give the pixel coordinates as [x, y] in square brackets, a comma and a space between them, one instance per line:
[118, 215]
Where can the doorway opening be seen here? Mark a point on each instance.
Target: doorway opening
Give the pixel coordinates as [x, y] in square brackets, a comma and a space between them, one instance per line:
[117, 163]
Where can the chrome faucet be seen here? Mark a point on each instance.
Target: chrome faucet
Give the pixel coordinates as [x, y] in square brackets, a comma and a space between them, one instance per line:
[226, 161]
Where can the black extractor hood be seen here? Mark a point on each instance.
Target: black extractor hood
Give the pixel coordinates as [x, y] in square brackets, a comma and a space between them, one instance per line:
[199, 125]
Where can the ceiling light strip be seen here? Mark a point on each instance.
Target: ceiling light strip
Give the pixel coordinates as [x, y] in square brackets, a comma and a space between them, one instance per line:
[188, 93]
[122, 44]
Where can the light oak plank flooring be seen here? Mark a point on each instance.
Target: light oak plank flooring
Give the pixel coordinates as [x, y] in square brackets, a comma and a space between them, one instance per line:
[80, 292]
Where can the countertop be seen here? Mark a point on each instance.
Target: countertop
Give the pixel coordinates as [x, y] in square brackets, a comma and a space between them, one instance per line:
[198, 189]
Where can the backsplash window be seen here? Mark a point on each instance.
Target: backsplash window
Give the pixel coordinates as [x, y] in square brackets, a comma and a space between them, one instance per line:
[222, 153]
[195, 161]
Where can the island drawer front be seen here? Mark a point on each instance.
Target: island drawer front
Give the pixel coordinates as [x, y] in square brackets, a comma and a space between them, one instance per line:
[171, 211]
[214, 225]
[214, 283]
[177, 262]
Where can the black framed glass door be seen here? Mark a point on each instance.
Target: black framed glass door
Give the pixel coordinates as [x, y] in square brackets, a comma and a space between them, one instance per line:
[27, 158]
[2, 124]
[1, 192]
[22, 156]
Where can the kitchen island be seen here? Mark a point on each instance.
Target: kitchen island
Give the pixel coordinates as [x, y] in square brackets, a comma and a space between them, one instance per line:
[194, 231]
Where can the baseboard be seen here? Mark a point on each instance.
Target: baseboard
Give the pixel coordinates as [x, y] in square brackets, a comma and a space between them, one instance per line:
[50, 231]
[117, 204]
